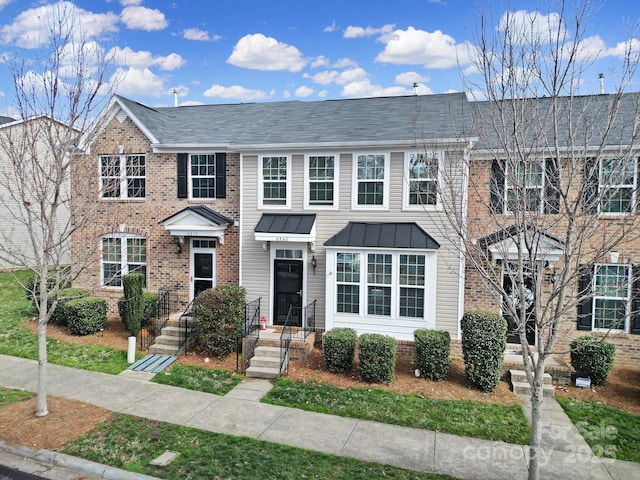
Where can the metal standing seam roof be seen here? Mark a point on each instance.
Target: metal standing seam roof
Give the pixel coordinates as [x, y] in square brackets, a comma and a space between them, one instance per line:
[206, 213]
[383, 235]
[286, 223]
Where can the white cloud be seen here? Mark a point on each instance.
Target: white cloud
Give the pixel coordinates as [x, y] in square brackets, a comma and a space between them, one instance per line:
[258, 52]
[303, 91]
[431, 49]
[364, 88]
[532, 28]
[331, 28]
[235, 92]
[127, 3]
[341, 78]
[321, 61]
[624, 49]
[409, 78]
[196, 34]
[32, 27]
[359, 32]
[191, 103]
[143, 59]
[345, 63]
[4, 3]
[323, 93]
[143, 18]
[136, 81]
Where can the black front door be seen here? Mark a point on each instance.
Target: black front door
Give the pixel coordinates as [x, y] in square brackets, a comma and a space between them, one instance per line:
[202, 272]
[527, 302]
[288, 291]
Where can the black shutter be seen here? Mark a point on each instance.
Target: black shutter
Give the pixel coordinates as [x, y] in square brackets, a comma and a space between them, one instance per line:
[585, 316]
[635, 301]
[590, 189]
[496, 185]
[551, 187]
[221, 175]
[183, 160]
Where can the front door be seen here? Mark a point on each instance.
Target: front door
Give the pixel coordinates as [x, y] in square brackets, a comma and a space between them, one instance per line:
[287, 291]
[203, 265]
[527, 302]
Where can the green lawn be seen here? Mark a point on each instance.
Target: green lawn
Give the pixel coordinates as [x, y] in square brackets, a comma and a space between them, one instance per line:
[131, 443]
[610, 432]
[458, 417]
[200, 379]
[9, 396]
[18, 341]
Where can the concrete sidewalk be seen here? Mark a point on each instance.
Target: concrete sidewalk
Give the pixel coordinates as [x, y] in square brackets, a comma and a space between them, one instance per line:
[238, 413]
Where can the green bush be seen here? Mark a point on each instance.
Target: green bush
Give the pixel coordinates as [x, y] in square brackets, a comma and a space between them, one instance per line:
[339, 349]
[592, 358]
[32, 285]
[133, 306]
[59, 316]
[86, 315]
[150, 307]
[484, 338]
[218, 314]
[432, 353]
[377, 357]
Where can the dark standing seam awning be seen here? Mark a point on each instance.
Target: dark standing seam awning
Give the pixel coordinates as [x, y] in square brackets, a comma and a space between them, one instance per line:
[383, 235]
[282, 227]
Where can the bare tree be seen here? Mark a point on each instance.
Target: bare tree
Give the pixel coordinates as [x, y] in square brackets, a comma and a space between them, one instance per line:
[552, 186]
[58, 90]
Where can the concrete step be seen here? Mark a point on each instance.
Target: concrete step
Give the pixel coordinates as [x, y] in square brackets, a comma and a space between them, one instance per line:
[268, 362]
[160, 349]
[169, 340]
[262, 351]
[262, 372]
[175, 331]
[521, 376]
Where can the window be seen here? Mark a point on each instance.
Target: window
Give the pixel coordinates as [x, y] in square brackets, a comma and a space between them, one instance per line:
[123, 176]
[395, 284]
[121, 255]
[371, 173]
[524, 186]
[348, 282]
[203, 176]
[616, 185]
[611, 295]
[412, 271]
[423, 178]
[275, 181]
[321, 180]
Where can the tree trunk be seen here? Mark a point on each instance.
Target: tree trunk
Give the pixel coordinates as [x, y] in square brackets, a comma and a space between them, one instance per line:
[41, 408]
[535, 441]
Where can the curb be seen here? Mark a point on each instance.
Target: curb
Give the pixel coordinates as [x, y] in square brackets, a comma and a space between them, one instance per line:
[87, 467]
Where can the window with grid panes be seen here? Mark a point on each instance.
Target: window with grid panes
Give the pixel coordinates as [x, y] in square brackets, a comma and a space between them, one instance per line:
[611, 296]
[379, 274]
[123, 176]
[370, 179]
[321, 179]
[203, 176]
[348, 282]
[423, 178]
[617, 185]
[274, 180]
[412, 284]
[122, 255]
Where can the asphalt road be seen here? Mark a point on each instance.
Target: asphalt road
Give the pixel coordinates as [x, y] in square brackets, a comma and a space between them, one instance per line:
[7, 473]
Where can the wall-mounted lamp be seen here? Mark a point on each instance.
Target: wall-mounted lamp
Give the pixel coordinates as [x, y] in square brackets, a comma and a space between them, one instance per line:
[179, 242]
[554, 276]
[314, 264]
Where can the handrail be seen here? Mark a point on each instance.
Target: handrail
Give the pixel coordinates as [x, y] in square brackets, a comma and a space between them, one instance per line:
[309, 317]
[285, 340]
[183, 327]
[158, 321]
[250, 333]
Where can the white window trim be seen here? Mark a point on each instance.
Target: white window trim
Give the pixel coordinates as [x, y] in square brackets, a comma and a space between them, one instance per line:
[541, 189]
[633, 187]
[122, 237]
[123, 177]
[354, 182]
[627, 300]
[336, 177]
[261, 204]
[407, 184]
[190, 178]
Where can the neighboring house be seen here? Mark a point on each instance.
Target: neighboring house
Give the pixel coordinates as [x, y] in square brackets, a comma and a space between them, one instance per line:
[21, 138]
[609, 277]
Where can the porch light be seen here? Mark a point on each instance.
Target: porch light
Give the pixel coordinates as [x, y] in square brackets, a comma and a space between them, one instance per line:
[554, 276]
[314, 264]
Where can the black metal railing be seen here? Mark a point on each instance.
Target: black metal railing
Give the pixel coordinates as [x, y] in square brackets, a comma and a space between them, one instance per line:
[184, 327]
[285, 340]
[248, 340]
[309, 320]
[156, 323]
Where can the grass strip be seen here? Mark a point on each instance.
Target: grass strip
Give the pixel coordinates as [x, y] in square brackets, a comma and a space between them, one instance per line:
[610, 432]
[9, 396]
[131, 443]
[200, 379]
[18, 341]
[459, 417]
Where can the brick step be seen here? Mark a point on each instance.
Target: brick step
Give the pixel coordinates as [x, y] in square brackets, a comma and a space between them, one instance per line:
[521, 377]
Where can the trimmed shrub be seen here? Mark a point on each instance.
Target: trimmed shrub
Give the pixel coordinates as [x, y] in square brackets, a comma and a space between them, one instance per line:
[149, 306]
[377, 357]
[592, 358]
[133, 306]
[32, 285]
[218, 314]
[59, 316]
[432, 353]
[484, 338]
[339, 349]
[86, 315]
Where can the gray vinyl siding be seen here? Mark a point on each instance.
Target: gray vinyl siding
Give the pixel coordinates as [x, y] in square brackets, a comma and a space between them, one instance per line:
[255, 261]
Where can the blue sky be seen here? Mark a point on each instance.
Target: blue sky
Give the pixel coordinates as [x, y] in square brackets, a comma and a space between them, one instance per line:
[213, 51]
